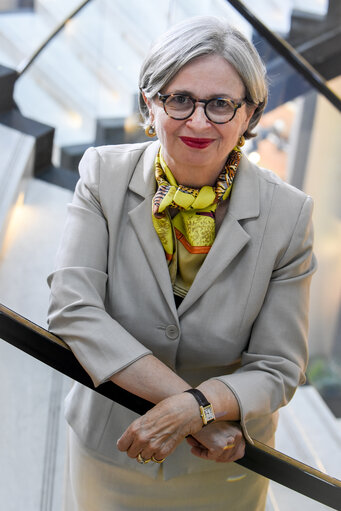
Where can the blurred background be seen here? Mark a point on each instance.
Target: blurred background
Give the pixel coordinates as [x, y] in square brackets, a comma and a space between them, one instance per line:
[80, 90]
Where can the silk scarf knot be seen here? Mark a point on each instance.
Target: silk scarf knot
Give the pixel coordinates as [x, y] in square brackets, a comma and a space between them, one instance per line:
[194, 224]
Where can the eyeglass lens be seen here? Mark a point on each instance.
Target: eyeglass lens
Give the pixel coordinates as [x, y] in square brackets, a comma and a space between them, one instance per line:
[180, 107]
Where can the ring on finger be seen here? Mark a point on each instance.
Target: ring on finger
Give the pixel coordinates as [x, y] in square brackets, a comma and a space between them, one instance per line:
[229, 446]
[141, 460]
[157, 461]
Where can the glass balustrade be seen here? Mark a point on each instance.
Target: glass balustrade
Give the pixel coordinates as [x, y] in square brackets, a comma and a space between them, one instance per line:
[84, 84]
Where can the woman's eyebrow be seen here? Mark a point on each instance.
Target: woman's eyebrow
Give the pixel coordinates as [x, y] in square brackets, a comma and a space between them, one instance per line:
[211, 96]
[180, 91]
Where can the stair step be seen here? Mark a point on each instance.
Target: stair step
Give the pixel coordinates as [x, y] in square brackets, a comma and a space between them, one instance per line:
[16, 6]
[16, 165]
[59, 176]
[71, 155]
[8, 77]
[42, 133]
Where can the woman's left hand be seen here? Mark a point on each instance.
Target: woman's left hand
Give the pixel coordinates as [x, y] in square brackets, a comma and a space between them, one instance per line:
[157, 433]
[220, 441]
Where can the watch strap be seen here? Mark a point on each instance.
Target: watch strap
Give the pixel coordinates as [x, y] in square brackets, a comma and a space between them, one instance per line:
[199, 396]
[206, 408]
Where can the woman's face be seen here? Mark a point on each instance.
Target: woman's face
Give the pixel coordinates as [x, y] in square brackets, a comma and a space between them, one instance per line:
[196, 162]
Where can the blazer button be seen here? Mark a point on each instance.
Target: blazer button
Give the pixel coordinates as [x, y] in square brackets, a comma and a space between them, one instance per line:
[172, 331]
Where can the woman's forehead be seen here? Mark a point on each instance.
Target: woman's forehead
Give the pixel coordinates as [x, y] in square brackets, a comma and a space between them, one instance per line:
[208, 75]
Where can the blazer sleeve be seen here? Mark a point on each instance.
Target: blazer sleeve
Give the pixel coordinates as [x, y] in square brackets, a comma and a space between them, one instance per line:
[275, 361]
[78, 284]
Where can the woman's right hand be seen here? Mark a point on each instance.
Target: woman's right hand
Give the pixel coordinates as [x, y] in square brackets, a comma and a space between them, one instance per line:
[222, 442]
[159, 431]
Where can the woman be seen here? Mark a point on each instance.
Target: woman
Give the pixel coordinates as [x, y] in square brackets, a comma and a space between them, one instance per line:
[183, 266]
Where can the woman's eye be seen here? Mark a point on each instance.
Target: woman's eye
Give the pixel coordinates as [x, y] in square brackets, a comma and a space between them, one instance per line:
[180, 99]
[220, 103]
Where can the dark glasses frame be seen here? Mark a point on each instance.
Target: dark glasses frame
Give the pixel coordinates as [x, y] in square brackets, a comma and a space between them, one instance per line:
[163, 98]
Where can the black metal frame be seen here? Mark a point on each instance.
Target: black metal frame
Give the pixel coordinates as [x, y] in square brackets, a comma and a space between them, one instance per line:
[289, 53]
[46, 347]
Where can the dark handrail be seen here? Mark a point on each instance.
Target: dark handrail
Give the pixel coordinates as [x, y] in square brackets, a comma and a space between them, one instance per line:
[46, 347]
[290, 54]
[26, 63]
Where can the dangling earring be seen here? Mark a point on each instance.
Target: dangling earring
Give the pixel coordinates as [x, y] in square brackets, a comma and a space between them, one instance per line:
[241, 141]
[150, 131]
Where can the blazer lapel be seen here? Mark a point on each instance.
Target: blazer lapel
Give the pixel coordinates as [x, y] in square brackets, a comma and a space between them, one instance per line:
[143, 184]
[231, 237]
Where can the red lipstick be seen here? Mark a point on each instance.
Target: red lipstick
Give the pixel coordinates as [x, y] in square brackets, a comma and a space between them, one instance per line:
[197, 143]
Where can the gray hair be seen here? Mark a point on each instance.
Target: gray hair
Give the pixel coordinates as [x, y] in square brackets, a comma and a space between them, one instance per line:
[194, 37]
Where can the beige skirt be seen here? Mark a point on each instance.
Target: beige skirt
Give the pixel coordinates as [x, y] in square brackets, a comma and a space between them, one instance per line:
[96, 485]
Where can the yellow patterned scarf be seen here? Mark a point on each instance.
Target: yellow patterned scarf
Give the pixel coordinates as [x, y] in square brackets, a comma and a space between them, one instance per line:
[194, 225]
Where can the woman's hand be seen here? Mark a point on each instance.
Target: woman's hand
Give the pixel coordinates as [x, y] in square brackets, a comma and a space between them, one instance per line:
[162, 429]
[220, 441]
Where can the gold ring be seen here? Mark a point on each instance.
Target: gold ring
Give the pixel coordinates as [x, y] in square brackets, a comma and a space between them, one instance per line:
[230, 446]
[141, 460]
[157, 461]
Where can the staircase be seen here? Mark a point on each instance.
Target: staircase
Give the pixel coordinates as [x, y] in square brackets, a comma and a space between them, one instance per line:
[29, 146]
[317, 38]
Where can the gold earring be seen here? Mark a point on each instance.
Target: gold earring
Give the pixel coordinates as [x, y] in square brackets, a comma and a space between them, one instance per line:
[241, 141]
[150, 131]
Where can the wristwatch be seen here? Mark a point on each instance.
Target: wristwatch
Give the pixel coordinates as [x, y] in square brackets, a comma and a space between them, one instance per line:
[206, 408]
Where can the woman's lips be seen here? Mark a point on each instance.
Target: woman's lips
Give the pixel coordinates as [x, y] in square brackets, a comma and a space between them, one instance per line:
[198, 143]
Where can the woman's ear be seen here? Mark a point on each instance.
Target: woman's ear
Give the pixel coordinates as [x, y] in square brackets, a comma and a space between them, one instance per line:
[149, 105]
[146, 100]
[250, 110]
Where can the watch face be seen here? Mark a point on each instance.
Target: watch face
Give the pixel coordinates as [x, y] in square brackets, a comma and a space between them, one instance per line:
[208, 413]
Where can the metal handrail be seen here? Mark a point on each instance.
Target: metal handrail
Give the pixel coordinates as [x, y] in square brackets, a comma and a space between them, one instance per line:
[289, 53]
[51, 350]
[27, 62]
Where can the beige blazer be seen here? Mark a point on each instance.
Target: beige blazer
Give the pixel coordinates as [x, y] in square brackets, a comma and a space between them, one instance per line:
[244, 320]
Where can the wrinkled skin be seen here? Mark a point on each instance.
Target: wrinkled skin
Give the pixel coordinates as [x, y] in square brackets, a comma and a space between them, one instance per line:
[167, 424]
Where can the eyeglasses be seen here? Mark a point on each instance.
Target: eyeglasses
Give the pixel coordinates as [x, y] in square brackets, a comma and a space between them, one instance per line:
[182, 106]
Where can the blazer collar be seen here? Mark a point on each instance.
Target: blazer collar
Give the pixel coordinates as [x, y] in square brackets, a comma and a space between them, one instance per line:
[244, 201]
[143, 184]
[231, 237]
[143, 181]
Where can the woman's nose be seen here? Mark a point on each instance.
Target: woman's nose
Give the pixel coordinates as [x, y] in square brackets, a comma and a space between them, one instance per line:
[198, 117]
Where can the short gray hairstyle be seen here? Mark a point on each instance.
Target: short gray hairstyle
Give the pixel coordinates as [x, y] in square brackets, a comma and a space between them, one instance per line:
[194, 37]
